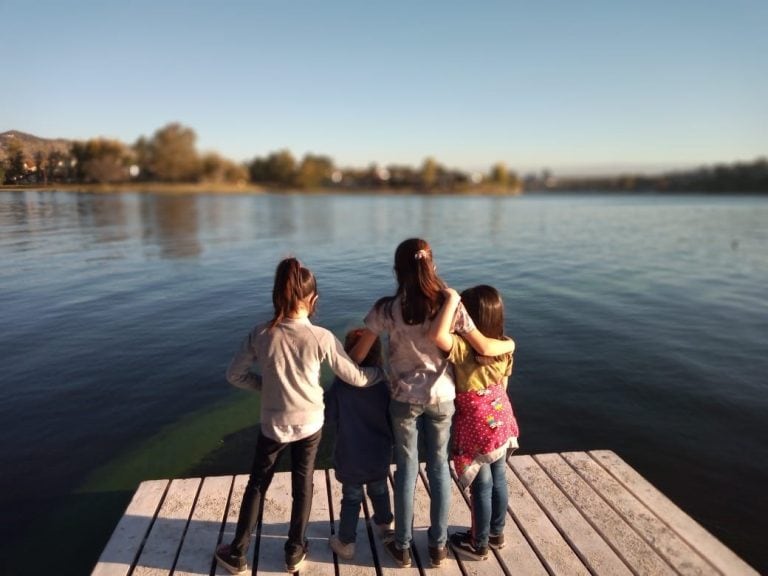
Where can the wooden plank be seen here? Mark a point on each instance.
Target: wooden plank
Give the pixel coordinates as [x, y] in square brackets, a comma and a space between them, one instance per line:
[635, 551]
[319, 560]
[688, 529]
[196, 556]
[362, 564]
[550, 546]
[586, 542]
[120, 552]
[565, 511]
[387, 565]
[460, 520]
[665, 541]
[450, 566]
[230, 524]
[159, 552]
[375, 537]
[274, 528]
[517, 556]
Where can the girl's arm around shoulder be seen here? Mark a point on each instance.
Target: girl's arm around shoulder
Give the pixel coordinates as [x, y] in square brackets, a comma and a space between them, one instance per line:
[440, 330]
[363, 345]
[489, 346]
[239, 370]
[345, 368]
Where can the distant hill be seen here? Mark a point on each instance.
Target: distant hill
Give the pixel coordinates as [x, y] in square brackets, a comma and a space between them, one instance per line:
[32, 143]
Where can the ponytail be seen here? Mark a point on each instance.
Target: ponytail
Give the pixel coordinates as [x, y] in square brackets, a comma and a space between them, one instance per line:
[418, 284]
[293, 284]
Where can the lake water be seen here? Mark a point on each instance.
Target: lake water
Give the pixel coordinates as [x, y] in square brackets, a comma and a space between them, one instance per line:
[641, 323]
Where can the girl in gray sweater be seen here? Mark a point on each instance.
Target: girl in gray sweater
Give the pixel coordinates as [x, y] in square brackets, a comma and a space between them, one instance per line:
[288, 351]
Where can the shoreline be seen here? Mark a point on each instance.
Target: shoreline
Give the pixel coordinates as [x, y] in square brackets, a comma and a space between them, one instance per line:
[234, 188]
[199, 188]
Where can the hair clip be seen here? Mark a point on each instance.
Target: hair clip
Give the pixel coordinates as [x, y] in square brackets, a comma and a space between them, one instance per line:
[421, 254]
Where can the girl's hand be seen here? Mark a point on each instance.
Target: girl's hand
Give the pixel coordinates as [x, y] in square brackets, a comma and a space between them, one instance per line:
[451, 295]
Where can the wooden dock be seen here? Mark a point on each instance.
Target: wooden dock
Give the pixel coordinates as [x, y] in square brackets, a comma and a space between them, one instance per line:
[574, 513]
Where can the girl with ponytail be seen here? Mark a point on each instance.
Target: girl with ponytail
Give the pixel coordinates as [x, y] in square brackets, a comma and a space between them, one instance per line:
[422, 389]
[288, 351]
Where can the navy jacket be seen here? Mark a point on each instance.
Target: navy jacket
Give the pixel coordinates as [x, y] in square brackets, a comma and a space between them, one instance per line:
[360, 418]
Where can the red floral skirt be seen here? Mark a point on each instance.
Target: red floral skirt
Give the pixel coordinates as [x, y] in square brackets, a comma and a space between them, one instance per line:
[484, 429]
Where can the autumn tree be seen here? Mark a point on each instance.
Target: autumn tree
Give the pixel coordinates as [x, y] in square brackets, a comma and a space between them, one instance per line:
[101, 160]
[314, 171]
[170, 155]
[499, 174]
[215, 168]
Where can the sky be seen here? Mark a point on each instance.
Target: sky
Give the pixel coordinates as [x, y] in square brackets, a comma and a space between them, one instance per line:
[575, 87]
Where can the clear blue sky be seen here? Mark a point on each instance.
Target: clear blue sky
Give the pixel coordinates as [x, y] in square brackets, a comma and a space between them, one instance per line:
[574, 86]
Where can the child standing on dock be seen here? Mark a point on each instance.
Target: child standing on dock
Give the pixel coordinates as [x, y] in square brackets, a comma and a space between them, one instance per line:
[484, 426]
[363, 451]
[288, 351]
[422, 391]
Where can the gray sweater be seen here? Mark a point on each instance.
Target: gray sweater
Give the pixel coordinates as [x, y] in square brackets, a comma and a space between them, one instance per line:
[289, 359]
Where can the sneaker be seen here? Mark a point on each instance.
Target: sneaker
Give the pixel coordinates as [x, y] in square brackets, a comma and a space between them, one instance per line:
[294, 560]
[496, 541]
[437, 554]
[343, 551]
[462, 543]
[401, 557]
[231, 563]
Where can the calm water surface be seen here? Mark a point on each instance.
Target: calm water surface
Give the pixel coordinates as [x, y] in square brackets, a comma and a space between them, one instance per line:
[641, 322]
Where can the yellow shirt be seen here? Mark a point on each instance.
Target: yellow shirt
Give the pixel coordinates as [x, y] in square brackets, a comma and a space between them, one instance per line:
[471, 375]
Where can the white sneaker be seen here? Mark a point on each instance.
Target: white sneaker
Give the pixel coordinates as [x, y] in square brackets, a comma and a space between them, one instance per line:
[343, 551]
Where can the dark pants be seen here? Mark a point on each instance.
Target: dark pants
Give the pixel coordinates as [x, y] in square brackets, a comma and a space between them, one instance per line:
[267, 457]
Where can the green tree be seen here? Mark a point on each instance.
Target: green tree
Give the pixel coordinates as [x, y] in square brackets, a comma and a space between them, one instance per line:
[277, 168]
[58, 165]
[15, 164]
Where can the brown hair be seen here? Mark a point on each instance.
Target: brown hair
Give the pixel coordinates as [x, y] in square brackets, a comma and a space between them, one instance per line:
[374, 354]
[418, 284]
[293, 284]
[484, 305]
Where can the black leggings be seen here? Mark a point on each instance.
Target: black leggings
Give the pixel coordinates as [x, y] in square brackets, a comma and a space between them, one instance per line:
[267, 456]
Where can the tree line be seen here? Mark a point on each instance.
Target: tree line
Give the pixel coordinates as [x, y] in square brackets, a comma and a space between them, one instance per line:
[170, 155]
[750, 177]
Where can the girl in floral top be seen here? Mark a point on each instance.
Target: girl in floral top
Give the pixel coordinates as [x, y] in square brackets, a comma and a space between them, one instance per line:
[484, 426]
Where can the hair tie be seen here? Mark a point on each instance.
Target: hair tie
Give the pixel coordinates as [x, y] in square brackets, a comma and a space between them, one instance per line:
[421, 254]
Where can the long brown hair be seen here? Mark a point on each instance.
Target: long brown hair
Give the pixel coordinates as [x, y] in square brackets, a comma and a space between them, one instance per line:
[293, 284]
[418, 284]
[485, 307]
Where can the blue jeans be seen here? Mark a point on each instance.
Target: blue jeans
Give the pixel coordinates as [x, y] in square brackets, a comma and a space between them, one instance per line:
[489, 501]
[434, 422]
[352, 497]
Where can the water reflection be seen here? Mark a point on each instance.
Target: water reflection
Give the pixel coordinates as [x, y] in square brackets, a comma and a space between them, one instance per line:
[171, 224]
